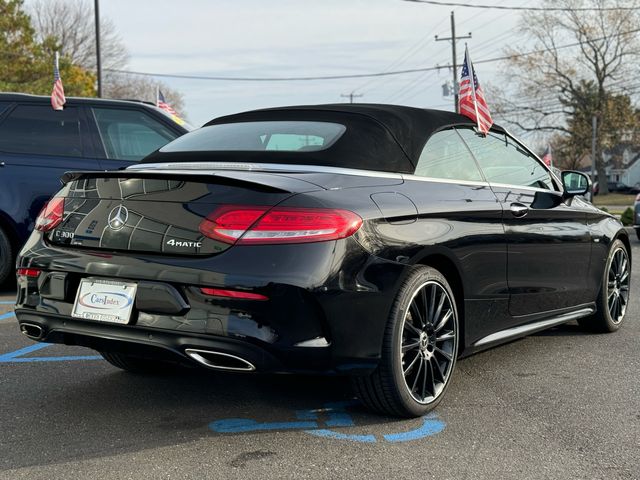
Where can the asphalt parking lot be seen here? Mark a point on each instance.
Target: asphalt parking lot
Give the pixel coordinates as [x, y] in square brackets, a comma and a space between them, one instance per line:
[561, 404]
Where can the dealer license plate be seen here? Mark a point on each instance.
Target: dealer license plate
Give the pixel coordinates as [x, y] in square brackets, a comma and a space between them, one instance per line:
[104, 301]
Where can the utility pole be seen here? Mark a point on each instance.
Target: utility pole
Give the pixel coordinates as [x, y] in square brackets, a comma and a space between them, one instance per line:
[98, 61]
[350, 96]
[454, 63]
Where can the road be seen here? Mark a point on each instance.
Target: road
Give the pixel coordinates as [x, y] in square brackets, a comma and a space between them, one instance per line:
[561, 404]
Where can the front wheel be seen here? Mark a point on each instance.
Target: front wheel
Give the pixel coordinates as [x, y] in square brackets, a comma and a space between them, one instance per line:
[613, 296]
[419, 348]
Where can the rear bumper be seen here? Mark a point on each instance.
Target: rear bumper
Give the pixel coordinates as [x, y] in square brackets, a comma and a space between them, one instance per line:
[334, 291]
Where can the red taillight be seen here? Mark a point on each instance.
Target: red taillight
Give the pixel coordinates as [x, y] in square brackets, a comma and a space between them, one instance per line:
[264, 225]
[51, 215]
[29, 272]
[219, 292]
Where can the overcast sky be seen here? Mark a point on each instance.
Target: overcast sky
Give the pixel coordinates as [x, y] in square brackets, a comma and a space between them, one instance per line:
[303, 38]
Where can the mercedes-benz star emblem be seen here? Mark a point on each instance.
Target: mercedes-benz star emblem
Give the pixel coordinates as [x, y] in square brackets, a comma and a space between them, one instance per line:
[118, 217]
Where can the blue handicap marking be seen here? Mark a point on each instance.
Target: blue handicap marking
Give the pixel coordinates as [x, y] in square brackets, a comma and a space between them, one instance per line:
[334, 415]
[6, 316]
[17, 356]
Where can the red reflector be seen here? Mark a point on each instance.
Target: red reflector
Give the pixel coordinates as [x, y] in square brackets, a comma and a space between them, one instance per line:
[29, 272]
[264, 225]
[219, 292]
[51, 215]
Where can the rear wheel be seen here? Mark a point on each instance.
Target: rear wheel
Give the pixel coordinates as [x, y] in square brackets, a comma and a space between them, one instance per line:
[419, 348]
[613, 297]
[137, 364]
[7, 258]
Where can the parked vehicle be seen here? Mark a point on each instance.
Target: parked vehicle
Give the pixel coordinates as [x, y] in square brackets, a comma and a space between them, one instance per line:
[614, 187]
[636, 215]
[39, 144]
[380, 242]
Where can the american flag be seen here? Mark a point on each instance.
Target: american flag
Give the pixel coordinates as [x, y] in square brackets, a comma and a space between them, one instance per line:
[57, 94]
[161, 103]
[471, 101]
[547, 158]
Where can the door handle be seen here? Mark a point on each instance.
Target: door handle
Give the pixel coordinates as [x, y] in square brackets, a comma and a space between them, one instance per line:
[519, 210]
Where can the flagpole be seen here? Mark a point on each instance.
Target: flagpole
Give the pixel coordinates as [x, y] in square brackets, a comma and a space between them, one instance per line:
[472, 76]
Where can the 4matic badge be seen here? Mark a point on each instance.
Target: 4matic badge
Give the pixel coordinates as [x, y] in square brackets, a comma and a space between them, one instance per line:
[183, 243]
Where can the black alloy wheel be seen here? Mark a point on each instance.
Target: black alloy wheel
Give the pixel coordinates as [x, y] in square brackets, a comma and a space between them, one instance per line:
[419, 349]
[613, 297]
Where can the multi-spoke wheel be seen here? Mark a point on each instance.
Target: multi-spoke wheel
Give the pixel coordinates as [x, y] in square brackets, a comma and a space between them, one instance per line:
[613, 297]
[419, 350]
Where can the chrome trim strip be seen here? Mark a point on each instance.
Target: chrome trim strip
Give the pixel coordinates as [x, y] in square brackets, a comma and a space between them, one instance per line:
[419, 178]
[529, 328]
[318, 342]
[193, 168]
[260, 167]
[522, 187]
[195, 354]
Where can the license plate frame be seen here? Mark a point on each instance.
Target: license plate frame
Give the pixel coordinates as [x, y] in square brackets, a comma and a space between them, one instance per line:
[107, 301]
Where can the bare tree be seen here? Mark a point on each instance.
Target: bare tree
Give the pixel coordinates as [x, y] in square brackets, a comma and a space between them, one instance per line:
[71, 25]
[559, 81]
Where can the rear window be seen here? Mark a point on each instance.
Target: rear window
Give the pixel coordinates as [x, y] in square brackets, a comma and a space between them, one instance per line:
[296, 136]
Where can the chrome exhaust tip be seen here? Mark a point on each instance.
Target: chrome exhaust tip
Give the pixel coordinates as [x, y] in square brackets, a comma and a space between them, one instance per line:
[31, 330]
[220, 361]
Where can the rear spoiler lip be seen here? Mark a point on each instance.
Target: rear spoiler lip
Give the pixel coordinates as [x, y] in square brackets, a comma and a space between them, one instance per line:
[264, 181]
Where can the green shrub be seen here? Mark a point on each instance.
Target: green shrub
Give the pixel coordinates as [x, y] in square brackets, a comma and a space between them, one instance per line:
[627, 216]
[604, 209]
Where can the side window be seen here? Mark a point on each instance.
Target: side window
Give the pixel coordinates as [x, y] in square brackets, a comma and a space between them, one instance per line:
[130, 134]
[3, 106]
[446, 156]
[41, 130]
[503, 161]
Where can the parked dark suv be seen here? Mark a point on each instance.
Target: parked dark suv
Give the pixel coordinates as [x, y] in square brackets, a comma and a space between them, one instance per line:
[38, 144]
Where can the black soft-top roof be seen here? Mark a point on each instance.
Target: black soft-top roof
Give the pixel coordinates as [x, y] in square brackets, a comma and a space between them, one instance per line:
[378, 137]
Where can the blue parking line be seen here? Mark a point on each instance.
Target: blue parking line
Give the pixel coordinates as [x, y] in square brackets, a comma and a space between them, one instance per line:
[52, 359]
[7, 315]
[7, 302]
[7, 357]
[17, 356]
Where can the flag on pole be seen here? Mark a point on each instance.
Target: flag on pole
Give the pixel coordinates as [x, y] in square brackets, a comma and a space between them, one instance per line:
[57, 94]
[547, 158]
[162, 103]
[471, 101]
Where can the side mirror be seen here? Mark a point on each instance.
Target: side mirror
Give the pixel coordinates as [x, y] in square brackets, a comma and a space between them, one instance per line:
[575, 183]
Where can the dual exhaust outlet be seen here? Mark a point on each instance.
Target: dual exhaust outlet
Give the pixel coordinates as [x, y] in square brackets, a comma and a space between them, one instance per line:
[220, 361]
[208, 358]
[31, 330]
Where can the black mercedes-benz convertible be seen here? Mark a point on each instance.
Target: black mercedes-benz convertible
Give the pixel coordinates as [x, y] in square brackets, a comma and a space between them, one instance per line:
[375, 241]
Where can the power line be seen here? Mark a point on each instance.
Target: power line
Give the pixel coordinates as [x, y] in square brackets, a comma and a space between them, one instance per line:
[505, 7]
[356, 75]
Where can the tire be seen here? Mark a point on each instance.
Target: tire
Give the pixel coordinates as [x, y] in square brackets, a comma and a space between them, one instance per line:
[136, 364]
[411, 384]
[7, 259]
[613, 297]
